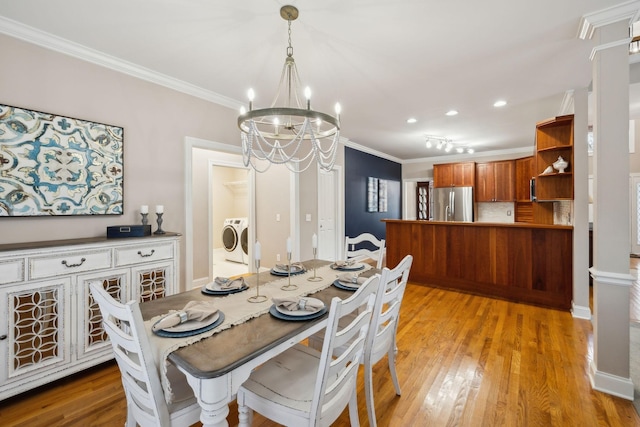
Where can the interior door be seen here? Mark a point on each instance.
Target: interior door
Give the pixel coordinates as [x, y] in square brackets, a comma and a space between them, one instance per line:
[327, 214]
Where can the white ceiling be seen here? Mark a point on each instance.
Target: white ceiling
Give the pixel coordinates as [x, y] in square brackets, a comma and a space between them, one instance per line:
[384, 61]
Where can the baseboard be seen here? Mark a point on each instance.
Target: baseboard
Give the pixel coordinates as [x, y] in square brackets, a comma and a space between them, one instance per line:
[198, 283]
[610, 384]
[580, 312]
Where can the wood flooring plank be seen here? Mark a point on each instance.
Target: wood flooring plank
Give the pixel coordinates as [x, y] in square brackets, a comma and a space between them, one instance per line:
[463, 360]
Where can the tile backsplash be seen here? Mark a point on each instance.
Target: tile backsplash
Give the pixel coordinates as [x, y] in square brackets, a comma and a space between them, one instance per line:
[495, 212]
[563, 212]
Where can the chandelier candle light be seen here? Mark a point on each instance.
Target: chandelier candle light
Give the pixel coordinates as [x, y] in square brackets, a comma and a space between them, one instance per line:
[292, 133]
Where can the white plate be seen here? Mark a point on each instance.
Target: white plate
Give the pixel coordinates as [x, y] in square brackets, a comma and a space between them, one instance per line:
[353, 267]
[192, 325]
[294, 270]
[350, 284]
[213, 286]
[301, 312]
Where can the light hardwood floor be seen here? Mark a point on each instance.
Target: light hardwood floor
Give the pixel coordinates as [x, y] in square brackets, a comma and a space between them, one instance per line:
[463, 360]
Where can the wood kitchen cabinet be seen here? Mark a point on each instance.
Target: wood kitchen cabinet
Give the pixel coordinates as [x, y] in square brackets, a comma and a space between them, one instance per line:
[525, 209]
[495, 181]
[454, 174]
[554, 138]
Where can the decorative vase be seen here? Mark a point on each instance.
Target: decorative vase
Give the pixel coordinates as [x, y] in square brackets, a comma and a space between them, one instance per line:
[560, 164]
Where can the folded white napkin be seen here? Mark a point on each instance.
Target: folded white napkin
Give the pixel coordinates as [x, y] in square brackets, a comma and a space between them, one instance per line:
[345, 263]
[226, 283]
[295, 267]
[193, 310]
[351, 278]
[298, 303]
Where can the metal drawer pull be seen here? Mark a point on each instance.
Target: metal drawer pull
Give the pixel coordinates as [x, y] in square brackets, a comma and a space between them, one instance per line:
[3, 337]
[147, 255]
[82, 260]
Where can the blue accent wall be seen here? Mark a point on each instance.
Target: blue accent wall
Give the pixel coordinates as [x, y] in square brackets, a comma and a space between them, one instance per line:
[359, 167]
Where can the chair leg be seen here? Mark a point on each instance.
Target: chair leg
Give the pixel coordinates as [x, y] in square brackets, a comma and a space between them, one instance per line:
[353, 409]
[245, 416]
[393, 351]
[368, 391]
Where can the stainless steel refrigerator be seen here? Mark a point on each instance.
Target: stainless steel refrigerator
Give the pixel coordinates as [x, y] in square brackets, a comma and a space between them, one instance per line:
[453, 204]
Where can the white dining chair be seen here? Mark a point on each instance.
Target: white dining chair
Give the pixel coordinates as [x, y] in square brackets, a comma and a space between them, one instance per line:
[305, 387]
[363, 253]
[384, 325]
[146, 404]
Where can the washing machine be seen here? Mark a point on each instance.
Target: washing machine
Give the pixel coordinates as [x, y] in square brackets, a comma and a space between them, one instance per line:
[235, 239]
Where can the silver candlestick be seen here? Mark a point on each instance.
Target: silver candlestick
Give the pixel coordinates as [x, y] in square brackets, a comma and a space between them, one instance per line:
[314, 278]
[145, 220]
[289, 287]
[159, 230]
[257, 297]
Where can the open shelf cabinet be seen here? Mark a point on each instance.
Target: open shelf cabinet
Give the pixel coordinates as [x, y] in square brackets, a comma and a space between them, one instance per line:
[554, 138]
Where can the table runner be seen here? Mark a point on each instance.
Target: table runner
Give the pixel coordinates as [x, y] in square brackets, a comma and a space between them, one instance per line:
[237, 310]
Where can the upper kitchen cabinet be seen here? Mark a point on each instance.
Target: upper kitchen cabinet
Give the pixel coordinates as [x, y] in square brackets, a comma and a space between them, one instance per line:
[524, 174]
[495, 181]
[454, 174]
[554, 140]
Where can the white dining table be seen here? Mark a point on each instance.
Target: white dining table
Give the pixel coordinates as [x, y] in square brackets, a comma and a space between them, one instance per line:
[217, 365]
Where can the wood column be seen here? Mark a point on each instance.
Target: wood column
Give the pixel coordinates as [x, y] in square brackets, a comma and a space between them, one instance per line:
[609, 370]
[580, 303]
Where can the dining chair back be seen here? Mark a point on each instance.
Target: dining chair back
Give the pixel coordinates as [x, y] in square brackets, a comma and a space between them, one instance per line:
[146, 404]
[384, 325]
[351, 249]
[305, 387]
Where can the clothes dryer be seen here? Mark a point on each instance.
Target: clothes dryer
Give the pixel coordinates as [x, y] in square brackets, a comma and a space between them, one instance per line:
[232, 239]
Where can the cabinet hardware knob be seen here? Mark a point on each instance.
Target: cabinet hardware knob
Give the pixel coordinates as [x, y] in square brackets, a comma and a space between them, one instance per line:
[3, 337]
[146, 255]
[82, 260]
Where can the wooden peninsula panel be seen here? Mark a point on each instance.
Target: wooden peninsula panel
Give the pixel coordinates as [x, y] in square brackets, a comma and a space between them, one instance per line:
[529, 263]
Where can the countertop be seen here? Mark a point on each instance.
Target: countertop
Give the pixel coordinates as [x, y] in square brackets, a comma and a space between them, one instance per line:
[483, 224]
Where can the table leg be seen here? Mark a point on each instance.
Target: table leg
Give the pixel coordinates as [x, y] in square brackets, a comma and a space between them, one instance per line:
[214, 395]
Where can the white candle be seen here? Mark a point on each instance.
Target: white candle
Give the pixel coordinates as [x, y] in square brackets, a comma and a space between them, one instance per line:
[144, 209]
[314, 241]
[159, 209]
[289, 245]
[256, 251]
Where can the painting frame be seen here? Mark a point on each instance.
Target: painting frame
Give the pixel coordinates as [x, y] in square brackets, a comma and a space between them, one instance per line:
[55, 165]
[372, 194]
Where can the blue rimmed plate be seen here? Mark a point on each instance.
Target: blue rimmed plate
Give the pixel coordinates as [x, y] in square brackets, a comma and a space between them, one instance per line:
[340, 285]
[294, 270]
[213, 291]
[188, 329]
[354, 267]
[275, 313]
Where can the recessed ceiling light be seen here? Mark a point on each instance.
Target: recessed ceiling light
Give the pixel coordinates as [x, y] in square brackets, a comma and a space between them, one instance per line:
[500, 103]
[452, 113]
[412, 120]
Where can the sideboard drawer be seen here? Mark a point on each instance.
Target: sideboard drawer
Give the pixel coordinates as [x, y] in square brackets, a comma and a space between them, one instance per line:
[68, 263]
[143, 253]
[11, 271]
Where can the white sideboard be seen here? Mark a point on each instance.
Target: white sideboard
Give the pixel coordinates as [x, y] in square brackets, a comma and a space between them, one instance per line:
[50, 326]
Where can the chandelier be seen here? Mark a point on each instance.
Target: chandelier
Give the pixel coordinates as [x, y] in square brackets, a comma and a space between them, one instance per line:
[291, 133]
[442, 143]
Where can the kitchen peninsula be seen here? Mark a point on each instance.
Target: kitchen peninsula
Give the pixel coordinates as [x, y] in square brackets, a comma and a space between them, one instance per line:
[521, 262]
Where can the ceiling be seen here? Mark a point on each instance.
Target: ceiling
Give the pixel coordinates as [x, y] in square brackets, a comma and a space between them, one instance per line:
[384, 61]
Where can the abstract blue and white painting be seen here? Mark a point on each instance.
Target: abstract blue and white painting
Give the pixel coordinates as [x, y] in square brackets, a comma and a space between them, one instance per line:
[55, 165]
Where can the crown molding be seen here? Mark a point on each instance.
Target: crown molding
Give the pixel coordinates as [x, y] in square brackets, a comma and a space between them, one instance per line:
[371, 151]
[566, 106]
[591, 21]
[49, 41]
[527, 151]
